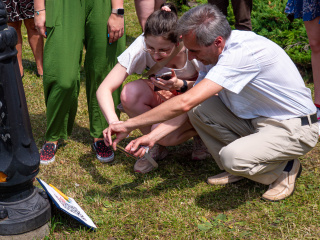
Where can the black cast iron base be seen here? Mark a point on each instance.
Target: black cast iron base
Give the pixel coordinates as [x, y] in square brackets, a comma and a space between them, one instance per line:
[25, 215]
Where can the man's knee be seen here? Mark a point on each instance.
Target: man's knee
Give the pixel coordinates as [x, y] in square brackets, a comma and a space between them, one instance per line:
[228, 159]
[233, 161]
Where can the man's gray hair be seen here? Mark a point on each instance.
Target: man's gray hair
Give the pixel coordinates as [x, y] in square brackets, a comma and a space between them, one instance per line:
[206, 22]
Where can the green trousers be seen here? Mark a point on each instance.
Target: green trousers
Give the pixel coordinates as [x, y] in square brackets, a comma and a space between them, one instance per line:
[72, 24]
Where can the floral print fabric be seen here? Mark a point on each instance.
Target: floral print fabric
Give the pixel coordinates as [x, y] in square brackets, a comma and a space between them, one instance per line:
[18, 10]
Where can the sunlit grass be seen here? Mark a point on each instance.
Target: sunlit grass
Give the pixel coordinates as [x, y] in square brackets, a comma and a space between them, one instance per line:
[173, 202]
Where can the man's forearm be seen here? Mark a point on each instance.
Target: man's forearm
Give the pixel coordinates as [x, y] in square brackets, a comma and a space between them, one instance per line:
[161, 113]
[175, 106]
[167, 127]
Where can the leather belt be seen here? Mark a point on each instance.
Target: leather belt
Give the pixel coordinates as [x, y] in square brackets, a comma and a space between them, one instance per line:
[305, 120]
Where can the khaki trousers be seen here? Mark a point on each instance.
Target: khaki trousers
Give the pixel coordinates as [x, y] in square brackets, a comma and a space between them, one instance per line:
[257, 149]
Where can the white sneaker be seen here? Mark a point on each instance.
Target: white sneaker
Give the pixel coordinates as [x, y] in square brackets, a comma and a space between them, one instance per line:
[143, 165]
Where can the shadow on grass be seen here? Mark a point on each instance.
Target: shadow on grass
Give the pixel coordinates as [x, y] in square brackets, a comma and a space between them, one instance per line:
[129, 40]
[175, 172]
[29, 66]
[39, 121]
[230, 196]
[86, 161]
[81, 134]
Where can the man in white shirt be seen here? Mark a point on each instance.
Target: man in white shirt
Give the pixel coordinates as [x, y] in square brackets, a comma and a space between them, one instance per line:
[263, 117]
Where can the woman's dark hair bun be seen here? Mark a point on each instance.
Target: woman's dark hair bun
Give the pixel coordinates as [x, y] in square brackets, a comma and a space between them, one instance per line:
[163, 23]
[171, 6]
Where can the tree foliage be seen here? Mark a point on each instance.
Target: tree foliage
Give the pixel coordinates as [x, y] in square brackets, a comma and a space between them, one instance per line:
[269, 20]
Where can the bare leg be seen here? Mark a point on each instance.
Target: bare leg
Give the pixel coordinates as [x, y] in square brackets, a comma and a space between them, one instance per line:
[17, 27]
[158, 3]
[182, 134]
[137, 98]
[145, 7]
[313, 31]
[36, 44]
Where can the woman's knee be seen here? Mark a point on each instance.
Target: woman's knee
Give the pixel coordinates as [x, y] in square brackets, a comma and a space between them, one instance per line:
[315, 45]
[133, 93]
[130, 93]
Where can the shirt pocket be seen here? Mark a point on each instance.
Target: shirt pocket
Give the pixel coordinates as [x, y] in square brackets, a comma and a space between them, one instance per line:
[53, 12]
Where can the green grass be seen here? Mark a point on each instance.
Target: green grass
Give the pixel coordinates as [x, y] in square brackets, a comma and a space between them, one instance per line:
[173, 202]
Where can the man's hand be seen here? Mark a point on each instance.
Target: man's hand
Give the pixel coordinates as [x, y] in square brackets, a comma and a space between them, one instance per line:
[115, 128]
[138, 146]
[115, 27]
[40, 23]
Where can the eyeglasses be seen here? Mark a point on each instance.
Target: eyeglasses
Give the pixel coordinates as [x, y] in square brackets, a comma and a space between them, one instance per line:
[161, 53]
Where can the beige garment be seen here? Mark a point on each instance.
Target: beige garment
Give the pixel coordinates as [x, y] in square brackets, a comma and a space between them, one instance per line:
[257, 149]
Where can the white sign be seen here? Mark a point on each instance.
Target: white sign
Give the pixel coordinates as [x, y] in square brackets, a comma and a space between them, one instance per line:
[68, 206]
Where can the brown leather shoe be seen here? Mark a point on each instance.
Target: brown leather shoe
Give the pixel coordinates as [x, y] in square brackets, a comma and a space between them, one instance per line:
[223, 178]
[285, 184]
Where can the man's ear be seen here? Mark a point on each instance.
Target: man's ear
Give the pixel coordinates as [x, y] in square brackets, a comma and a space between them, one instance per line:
[218, 41]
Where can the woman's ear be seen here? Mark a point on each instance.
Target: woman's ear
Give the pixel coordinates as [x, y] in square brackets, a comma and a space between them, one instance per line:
[179, 40]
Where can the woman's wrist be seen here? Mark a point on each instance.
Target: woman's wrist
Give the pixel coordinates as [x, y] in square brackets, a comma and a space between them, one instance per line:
[179, 84]
[37, 12]
[184, 87]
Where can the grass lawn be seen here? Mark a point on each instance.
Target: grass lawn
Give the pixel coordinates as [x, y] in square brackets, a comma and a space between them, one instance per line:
[173, 202]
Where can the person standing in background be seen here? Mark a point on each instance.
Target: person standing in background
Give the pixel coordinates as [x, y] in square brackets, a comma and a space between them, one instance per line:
[68, 25]
[19, 11]
[241, 10]
[144, 8]
[309, 11]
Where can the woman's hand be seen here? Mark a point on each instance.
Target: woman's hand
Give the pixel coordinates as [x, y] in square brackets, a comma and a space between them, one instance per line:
[170, 85]
[115, 27]
[40, 22]
[119, 130]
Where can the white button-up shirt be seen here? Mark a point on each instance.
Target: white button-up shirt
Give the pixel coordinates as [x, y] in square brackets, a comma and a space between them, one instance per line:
[259, 79]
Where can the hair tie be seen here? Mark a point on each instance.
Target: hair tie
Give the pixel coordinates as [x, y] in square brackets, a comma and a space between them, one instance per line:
[166, 8]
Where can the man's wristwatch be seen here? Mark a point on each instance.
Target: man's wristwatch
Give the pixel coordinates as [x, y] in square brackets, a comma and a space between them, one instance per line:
[118, 11]
[184, 88]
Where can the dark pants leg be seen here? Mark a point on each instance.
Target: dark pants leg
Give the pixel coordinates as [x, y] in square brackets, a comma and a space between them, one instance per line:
[241, 10]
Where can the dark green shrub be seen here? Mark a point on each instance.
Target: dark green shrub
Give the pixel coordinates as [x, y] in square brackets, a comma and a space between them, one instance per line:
[269, 20]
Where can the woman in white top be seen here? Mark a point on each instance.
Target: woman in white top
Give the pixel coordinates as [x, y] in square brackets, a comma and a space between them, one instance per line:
[155, 44]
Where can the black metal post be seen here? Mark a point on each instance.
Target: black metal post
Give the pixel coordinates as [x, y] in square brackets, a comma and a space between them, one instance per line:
[23, 207]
